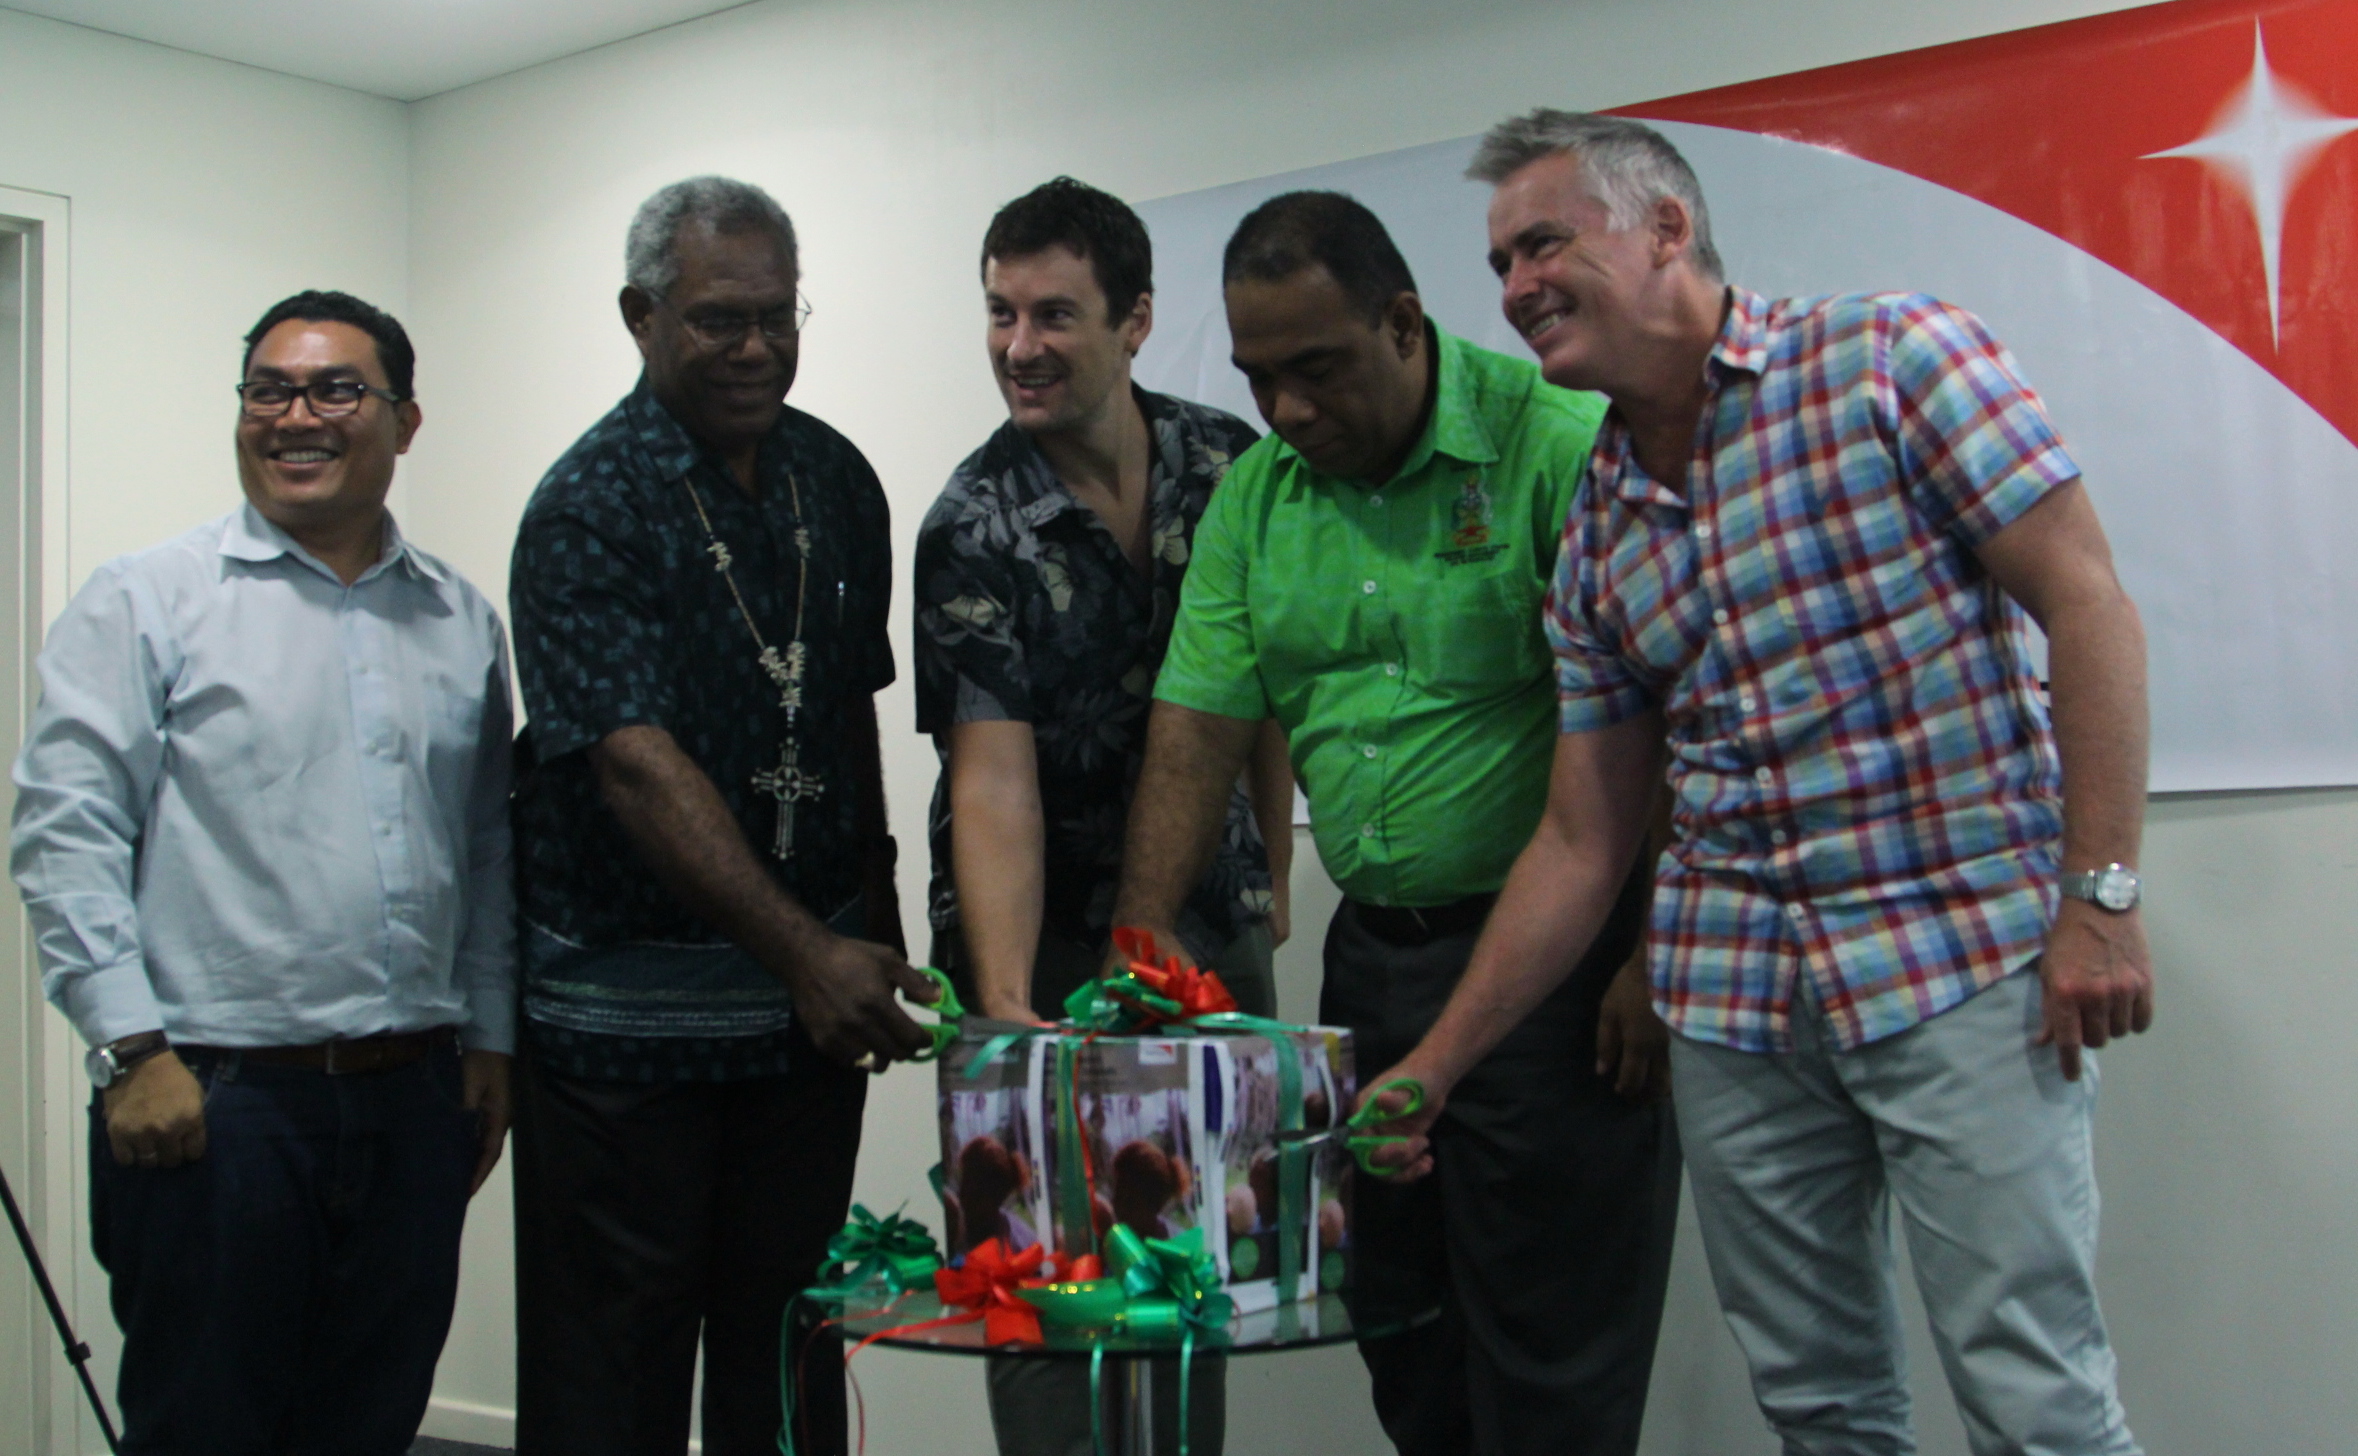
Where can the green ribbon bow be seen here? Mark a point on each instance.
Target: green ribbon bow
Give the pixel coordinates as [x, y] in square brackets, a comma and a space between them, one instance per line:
[896, 1251]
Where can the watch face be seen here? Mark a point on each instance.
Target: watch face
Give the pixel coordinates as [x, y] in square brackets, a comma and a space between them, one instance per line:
[100, 1066]
[2116, 889]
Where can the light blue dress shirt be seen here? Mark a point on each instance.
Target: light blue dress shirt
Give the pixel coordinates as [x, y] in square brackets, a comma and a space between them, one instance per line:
[257, 807]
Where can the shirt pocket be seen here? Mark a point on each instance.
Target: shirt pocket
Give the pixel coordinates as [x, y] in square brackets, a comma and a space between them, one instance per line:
[1476, 634]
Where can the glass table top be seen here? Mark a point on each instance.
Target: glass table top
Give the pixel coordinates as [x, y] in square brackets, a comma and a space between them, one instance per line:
[1302, 1325]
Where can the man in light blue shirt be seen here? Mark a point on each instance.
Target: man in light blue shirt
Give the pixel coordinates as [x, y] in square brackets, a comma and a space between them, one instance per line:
[261, 830]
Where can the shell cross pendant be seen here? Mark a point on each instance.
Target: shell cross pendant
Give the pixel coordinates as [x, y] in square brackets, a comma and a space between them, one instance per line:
[789, 785]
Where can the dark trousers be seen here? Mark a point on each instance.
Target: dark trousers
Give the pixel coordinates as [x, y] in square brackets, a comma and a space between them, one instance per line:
[650, 1217]
[288, 1292]
[1543, 1234]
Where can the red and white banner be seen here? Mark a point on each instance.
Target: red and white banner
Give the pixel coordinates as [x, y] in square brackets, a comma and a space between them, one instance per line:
[2156, 209]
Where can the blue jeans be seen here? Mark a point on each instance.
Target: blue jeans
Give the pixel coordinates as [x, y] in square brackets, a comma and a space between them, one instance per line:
[288, 1292]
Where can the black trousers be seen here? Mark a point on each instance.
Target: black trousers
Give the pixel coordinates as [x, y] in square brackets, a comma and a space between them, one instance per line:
[652, 1216]
[1544, 1233]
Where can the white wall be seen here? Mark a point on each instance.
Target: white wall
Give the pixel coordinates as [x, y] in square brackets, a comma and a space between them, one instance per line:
[199, 192]
[891, 129]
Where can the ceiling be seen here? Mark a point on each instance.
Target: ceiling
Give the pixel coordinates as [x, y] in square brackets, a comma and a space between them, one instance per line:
[405, 49]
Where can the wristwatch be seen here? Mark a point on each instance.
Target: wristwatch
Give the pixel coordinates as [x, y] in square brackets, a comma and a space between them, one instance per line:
[107, 1064]
[2115, 887]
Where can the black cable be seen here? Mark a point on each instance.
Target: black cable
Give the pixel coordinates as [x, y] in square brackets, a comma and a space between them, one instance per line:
[75, 1350]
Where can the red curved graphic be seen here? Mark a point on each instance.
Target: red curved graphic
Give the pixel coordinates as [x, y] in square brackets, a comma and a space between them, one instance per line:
[2208, 150]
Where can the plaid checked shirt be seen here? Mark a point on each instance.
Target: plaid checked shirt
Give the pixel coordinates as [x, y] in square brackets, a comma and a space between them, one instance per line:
[1866, 786]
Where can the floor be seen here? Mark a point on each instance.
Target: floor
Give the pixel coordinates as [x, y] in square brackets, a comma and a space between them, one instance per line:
[428, 1446]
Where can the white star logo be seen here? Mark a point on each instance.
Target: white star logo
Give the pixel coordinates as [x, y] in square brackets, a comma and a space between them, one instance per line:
[2263, 140]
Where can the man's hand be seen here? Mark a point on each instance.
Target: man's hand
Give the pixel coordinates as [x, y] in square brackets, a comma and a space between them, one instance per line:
[155, 1115]
[2097, 977]
[1633, 1046]
[483, 1079]
[1281, 912]
[843, 991]
[1404, 1162]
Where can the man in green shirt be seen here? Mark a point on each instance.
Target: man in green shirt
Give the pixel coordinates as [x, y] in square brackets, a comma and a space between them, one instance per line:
[1371, 575]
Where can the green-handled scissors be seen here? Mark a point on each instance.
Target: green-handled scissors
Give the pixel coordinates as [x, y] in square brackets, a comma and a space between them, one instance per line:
[1363, 1145]
[946, 1007]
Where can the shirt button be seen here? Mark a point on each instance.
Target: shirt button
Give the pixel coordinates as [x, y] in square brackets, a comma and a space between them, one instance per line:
[1367, 831]
[1720, 616]
[1778, 836]
[1748, 702]
[1367, 587]
[1368, 751]
[1375, 500]
[1796, 912]
[1763, 775]
[1702, 530]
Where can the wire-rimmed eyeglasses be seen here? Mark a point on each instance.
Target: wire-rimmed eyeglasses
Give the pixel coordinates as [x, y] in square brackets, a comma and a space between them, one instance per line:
[723, 329]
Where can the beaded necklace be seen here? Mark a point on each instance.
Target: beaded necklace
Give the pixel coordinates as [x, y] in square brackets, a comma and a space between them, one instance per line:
[789, 784]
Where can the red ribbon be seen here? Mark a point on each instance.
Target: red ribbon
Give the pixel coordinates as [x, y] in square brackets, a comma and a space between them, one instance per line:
[1198, 992]
[985, 1286]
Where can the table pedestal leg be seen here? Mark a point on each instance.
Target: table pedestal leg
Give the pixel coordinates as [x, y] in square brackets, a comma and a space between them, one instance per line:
[1138, 1397]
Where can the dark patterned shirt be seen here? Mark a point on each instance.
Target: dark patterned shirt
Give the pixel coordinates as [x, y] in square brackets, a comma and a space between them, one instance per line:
[621, 618]
[1028, 611]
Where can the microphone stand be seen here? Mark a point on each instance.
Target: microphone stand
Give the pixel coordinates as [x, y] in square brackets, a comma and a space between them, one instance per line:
[75, 1351]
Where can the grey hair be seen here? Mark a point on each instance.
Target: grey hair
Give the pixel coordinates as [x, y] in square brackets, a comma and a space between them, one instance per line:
[650, 252]
[1628, 167]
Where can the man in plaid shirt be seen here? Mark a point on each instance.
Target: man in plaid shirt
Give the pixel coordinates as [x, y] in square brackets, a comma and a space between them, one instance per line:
[1897, 906]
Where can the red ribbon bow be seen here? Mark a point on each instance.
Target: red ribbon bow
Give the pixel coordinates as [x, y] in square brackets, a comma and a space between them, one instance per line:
[985, 1283]
[1198, 992]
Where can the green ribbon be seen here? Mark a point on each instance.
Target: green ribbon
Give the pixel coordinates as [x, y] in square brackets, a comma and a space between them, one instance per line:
[1158, 1290]
[896, 1251]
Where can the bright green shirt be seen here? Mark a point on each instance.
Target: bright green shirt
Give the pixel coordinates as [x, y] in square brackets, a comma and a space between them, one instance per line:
[1395, 630]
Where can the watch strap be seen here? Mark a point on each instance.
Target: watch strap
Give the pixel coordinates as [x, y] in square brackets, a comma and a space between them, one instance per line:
[128, 1052]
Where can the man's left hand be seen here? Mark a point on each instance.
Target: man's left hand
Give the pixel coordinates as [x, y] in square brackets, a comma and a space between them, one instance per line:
[2097, 976]
[1633, 1045]
[483, 1077]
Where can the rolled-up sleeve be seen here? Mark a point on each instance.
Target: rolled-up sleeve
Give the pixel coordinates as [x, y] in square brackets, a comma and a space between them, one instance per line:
[84, 781]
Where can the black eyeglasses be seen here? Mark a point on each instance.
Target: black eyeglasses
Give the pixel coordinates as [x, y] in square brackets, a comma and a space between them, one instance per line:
[267, 399]
[723, 329]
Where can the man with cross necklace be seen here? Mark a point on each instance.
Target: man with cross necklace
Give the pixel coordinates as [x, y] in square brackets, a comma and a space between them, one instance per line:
[710, 933]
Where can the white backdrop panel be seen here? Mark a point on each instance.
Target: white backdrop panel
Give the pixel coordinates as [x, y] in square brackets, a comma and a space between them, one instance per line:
[2231, 504]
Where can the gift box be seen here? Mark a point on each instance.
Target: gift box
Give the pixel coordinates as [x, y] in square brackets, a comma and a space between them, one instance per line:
[1057, 1136]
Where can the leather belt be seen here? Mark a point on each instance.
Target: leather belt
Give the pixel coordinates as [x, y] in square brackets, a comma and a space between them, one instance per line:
[1411, 926]
[345, 1055]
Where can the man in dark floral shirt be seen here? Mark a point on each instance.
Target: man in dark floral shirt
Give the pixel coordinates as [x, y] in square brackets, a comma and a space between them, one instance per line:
[1048, 576]
[709, 927]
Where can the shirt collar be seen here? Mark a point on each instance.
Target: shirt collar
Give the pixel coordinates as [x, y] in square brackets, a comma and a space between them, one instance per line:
[1455, 428]
[248, 535]
[667, 442]
[1037, 496]
[1741, 348]
[1743, 336]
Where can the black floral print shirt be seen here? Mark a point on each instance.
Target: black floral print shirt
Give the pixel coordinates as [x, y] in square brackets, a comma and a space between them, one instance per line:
[1028, 611]
[622, 618]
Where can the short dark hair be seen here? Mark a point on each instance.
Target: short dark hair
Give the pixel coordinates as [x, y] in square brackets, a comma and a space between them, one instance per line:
[1094, 224]
[1333, 230]
[325, 306]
